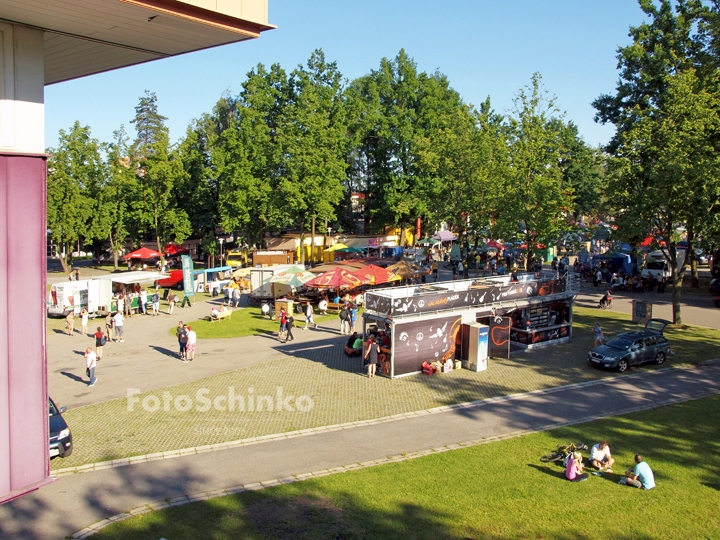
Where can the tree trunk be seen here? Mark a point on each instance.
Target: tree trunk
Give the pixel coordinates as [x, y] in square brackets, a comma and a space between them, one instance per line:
[694, 279]
[113, 251]
[65, 257]
[676, 277]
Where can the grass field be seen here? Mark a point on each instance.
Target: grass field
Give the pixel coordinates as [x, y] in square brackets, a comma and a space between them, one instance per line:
[498, 490]
[247, 322]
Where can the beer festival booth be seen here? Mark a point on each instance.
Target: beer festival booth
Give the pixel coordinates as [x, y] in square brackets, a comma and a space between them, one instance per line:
[468, 320]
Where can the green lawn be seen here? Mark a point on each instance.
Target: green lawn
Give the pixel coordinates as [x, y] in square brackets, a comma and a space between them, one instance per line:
[246, 322]
[497, 490]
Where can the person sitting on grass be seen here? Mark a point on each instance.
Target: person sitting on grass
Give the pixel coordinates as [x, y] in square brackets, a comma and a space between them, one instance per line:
[574, 471]
[600, 457]
[641, 476]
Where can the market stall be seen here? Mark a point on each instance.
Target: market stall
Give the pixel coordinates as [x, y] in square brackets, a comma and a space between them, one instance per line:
[433, 322]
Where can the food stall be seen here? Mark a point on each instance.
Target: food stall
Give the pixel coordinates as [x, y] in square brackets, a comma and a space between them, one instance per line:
[433, 322]
[132, 284]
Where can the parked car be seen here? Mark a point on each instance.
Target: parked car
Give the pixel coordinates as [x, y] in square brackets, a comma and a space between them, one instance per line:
[715, 286]
[60, 434]
[633, 348]
[174, 281]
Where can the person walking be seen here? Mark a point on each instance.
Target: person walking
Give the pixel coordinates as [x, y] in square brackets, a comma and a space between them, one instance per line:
[84, 318]
[70, 321]
[100, 341]
[118, 322]
[90, 363]
[309, 316]
[109, 326]
[156, 303]
[371, 356]
[237, 294]
[598, 334]
[290, 323]
[172, 299]
[191, 342]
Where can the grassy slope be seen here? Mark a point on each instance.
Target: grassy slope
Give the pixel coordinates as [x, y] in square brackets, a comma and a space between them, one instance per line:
[497, 490]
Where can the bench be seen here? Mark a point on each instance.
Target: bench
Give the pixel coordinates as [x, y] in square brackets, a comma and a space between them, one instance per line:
[352, 352]
[332, 306]
[221, 315]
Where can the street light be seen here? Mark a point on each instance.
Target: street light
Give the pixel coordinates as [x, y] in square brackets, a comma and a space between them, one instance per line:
[221, 240]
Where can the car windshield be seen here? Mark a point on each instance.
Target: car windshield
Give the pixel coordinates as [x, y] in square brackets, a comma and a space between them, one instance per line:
[53, 409]
[620, 343]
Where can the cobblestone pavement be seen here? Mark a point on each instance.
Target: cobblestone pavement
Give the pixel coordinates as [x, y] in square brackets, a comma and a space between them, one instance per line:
[318, 386]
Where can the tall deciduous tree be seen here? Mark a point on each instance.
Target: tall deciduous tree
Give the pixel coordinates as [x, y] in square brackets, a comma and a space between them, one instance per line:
[536, 200]
[73, 167]
[312, 142]
[668, 76]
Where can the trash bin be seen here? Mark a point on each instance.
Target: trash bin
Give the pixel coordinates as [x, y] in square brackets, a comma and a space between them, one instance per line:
[641, 312]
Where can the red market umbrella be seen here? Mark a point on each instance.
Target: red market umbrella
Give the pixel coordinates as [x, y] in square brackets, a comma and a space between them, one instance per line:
[495, 244]
[142, 253]
[339, 278]
[374, 275]
[174, 249]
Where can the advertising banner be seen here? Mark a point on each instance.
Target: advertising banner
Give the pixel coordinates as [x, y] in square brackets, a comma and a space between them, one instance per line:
[429, 340]
[475, 296]
[187, 268]
[500, 337]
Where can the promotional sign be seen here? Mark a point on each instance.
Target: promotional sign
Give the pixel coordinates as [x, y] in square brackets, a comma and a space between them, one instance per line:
[500, 337]
[415, 342]
[187, 268]
[475, 296]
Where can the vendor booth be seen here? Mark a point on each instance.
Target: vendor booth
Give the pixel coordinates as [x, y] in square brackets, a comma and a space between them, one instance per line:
[468, 320]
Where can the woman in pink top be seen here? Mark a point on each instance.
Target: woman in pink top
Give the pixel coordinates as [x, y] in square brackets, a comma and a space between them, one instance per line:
[574, 468]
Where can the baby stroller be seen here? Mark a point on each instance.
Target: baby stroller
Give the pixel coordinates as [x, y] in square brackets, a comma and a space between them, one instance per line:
[606, 302]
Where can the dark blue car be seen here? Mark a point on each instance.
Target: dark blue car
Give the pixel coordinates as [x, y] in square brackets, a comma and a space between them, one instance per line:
[633, 348]
[60, 434]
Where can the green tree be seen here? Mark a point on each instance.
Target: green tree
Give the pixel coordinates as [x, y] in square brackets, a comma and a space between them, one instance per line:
[73, 167]
[668, 75]
[312, 142]
[157, 171]
[113, 213]
[536, 199]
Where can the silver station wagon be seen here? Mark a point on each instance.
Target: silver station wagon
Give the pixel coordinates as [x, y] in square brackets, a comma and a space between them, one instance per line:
[633, 348]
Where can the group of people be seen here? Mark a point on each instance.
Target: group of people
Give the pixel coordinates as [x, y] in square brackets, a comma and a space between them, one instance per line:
[187, 339]
[640, 476]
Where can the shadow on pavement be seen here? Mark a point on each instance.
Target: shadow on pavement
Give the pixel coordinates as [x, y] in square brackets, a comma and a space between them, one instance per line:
[163, 350]
[73, 377]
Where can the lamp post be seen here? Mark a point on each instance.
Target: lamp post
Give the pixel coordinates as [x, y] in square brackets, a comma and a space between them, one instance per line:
[221, 240]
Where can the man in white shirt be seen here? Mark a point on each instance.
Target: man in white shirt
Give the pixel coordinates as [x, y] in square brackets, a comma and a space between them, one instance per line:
[600, 457]
[118, 321]
[90, 363]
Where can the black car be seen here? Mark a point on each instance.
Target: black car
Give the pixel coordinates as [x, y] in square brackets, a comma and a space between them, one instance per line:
[633, 348]
[715, 286]
[60, 435]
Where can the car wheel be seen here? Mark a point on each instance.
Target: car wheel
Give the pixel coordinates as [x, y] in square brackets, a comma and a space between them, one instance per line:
[659, 358]
[622, 365]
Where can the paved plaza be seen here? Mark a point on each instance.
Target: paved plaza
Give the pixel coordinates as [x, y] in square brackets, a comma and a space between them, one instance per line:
[304, 386]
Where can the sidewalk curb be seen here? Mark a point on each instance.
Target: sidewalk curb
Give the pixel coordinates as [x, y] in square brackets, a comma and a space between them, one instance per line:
[182, 452]
[205, 495]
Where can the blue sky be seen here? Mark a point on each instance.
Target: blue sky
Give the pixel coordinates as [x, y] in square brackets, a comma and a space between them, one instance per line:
[484, 47]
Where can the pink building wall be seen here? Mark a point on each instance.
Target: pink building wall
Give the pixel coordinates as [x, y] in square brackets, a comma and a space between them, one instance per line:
[24, 459]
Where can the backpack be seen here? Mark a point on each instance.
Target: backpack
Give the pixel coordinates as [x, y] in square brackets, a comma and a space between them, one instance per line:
[103, 340]
[344, 315]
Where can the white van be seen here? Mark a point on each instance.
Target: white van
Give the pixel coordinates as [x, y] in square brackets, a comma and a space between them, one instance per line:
[657, 266]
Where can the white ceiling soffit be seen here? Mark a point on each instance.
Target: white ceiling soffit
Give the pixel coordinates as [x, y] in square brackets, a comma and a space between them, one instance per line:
[83, 37]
